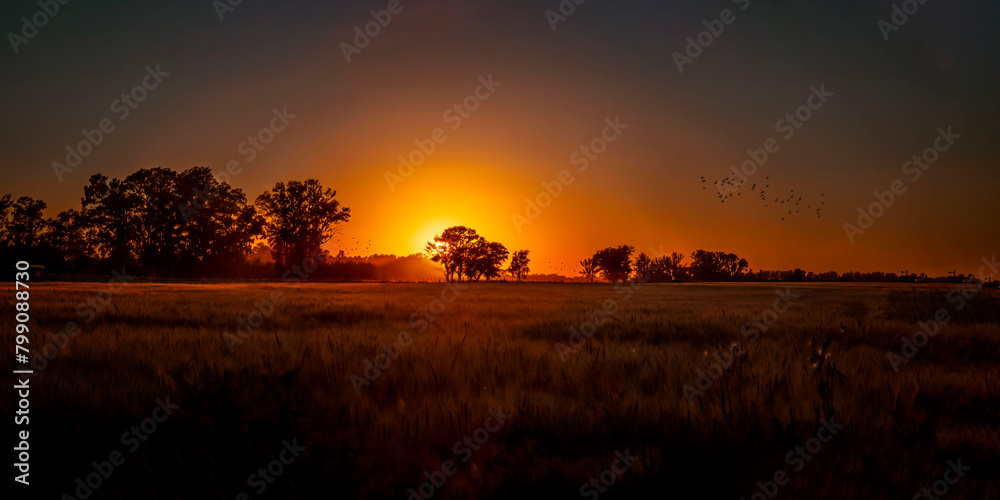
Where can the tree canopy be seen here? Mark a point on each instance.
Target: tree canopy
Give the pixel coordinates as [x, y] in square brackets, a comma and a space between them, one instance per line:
[299, 217]
[465, 254]
[614, 263]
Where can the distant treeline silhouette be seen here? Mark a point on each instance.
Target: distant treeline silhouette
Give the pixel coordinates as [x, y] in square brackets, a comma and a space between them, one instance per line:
[616, 264]
[159, 224]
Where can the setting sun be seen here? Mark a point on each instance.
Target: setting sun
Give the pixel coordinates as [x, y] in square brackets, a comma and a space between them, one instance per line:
[425, 232]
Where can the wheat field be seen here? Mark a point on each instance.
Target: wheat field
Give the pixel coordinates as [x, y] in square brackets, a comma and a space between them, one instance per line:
[474, 348]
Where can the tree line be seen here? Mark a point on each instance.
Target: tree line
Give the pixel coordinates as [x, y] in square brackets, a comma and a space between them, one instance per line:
[616, 264]
[166, 223]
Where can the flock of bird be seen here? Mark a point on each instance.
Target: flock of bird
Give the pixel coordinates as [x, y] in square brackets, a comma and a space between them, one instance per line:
[357, 244]
[565, 268]
[731, 186]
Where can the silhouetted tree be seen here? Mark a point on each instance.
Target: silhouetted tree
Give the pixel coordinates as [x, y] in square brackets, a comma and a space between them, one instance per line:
[519, 265]
[158, 233]
[219, 225]
[5, 204]
[26, 222]
[743, 266]
[466, 254]
[614, 264]
[705, 265]
[643, 267]
[171, 223]
[677, 271]
[486, 259]
[589, 270]
[66, 235]
[110, 219]
[732, 265]
[659, 271]
[717, 265]
[298, 218]
[667, 268]
[452, 249]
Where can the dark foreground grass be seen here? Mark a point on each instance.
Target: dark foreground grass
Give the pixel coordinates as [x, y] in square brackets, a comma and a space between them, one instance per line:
[494, 346]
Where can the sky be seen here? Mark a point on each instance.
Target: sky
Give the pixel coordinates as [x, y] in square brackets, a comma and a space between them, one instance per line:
[224, 74]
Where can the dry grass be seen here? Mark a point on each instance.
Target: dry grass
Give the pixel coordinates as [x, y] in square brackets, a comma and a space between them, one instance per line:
[494, 346]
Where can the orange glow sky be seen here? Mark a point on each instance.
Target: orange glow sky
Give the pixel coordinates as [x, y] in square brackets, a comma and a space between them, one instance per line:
[354, 120]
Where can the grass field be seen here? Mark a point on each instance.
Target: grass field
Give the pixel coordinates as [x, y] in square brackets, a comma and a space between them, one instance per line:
[493, 346]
